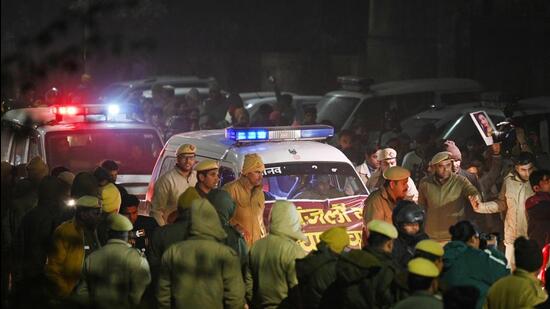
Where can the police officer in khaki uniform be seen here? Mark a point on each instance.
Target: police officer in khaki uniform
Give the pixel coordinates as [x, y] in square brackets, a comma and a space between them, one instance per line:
[207, 176]
[117, 274]
[171, 185]
[422, 282]
[380, 203]
[387, 158]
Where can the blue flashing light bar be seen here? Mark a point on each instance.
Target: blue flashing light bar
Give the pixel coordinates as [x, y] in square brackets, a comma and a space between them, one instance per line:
[249, 135]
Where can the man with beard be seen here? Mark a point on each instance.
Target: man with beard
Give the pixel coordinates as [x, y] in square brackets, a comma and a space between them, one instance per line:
[408, 218]
[515, 191]
[380, 204]
[444, 195]
[171, 185]
[247, 192]
[387, 158]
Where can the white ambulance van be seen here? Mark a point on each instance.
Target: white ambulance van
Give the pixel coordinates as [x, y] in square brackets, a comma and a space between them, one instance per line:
[315, 176]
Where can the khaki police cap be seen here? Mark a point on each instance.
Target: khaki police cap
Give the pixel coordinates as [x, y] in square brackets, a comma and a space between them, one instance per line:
[396, 173]
[440, 157]
[186, 149]
[88, 201]
[383, 228]
[206, 165]
[423, 267]
[385, 154]
[430, 246]
[119, 223]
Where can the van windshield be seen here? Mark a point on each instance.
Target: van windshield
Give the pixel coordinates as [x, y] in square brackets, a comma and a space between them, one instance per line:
[336, 109]
[311, 181]
[135, 151]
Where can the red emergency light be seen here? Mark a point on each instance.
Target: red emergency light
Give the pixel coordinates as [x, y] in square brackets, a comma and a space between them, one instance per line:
[65, 110]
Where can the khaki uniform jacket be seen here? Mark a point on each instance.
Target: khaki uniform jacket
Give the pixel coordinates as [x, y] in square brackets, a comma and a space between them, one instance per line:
[444, 203]
[168, 189]
[273, 260]
[201, 272]
[65, 260]
[376, 181]
[519, 290]
[379, 206]
[115, 275]
[511, 200]
[249, 215]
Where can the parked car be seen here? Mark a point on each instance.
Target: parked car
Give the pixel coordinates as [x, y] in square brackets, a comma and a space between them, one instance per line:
[360, 101]
[122, 92]
[298, 101]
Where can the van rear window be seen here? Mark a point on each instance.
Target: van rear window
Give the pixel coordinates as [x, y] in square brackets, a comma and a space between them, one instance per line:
[135, 151]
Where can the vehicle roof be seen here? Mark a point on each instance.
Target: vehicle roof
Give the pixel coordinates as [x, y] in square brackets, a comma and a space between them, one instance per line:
[163, 79]
[347, 93]
[95, 126]
[426, 84]
[270, 100]
[260, 94]
[212, 143]
[414, 86]
[532, 106]
[44, 120]
[179, 91]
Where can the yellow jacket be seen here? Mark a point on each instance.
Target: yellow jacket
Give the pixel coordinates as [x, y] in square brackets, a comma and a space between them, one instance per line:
[519, 290]
[65, 260]
[248, 217]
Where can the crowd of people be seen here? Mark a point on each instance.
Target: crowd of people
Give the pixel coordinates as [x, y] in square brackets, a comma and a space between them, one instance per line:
[443, 227]
[209, 247]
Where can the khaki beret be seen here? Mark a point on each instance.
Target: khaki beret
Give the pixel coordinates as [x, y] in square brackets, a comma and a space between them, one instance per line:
[383, 228]
[396, 173]
[440, 157]
[430, 246]
[88, 201]
[207, 165]
[423, 267]
[385, 154]
[186, 149]
[119, 223]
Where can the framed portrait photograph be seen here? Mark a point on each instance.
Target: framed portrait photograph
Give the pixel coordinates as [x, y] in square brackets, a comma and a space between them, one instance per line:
[484, 125]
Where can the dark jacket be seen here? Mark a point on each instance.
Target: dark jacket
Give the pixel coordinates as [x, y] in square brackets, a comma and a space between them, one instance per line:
[365, 279]
[403, 246]
[225, 207]
[464, 265]
[316, 272]
[538, 217]
[164, 237]
[146, 226]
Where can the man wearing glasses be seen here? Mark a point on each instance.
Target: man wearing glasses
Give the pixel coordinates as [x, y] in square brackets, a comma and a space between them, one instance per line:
[171, 185]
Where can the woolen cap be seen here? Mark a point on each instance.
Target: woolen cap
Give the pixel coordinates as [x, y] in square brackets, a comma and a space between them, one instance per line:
[186, 149]
[88, 201]
[336, 238]
[119, 223]
[37, 169]
[430, 246]
[207, 165]
[396, 173]
[110, 197]
[382, 227]
[423, 267]
[253, 163]
[440, 157]
[451, 147]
